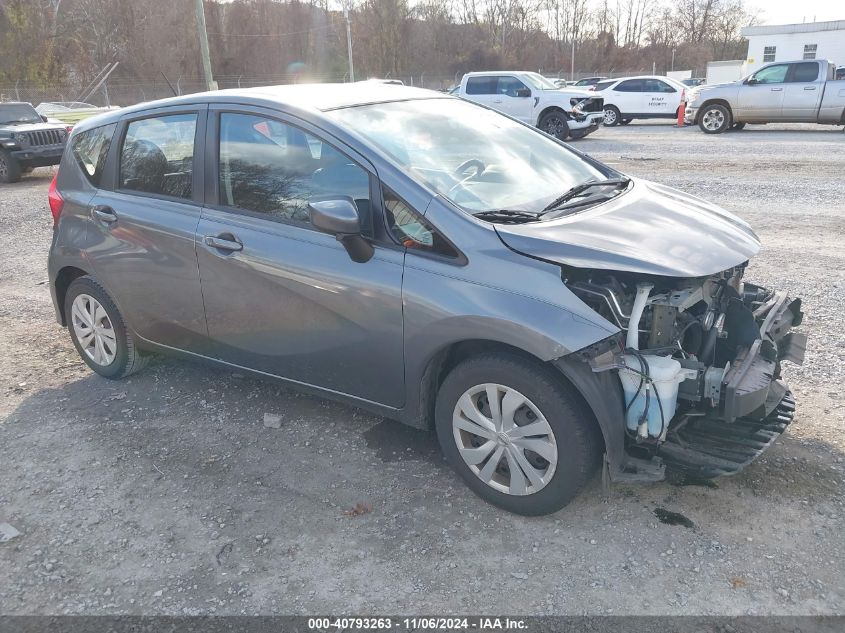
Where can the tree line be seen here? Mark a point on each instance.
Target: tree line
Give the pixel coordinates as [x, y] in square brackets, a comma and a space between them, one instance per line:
[43, 41]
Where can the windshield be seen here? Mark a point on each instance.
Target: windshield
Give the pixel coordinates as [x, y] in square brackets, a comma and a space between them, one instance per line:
[475, 157]
[539, 82]
[18, 113]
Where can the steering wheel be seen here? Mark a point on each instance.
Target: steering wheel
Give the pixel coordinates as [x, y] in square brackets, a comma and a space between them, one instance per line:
[461, 170]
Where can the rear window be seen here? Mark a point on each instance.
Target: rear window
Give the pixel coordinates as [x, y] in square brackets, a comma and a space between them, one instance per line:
[90, 149]
[482, 85]
[604, 84]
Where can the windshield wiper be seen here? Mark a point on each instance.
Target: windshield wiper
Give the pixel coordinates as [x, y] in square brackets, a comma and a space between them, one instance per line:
[507, 216]
[584, 186]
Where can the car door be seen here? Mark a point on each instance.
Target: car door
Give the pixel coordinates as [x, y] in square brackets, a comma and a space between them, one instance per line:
[514, 98]
[628, 97]
[661, 99]
[802, 92]
[281, 297]
[140, 238]
[761, 95]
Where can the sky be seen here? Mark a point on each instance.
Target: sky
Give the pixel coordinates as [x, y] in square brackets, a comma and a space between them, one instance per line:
[794, 12]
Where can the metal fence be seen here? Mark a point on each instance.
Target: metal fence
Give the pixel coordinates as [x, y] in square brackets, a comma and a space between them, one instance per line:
[123, 92]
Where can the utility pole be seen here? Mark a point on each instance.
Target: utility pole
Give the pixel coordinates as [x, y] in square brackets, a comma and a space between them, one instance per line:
[572, 61]
[673, 60]
[210, 84]
[349, 39]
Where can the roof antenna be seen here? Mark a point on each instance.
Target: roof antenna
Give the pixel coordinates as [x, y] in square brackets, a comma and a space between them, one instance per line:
[172, 89]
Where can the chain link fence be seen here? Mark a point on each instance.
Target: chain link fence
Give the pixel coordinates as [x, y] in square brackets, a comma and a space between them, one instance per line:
[122, 92]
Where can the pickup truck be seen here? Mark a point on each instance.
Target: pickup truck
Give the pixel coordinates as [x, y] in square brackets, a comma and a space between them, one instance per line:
[567, 113]
[783, 92]
[27, 140]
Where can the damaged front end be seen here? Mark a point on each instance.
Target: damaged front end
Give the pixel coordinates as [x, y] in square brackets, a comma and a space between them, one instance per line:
[699, 363]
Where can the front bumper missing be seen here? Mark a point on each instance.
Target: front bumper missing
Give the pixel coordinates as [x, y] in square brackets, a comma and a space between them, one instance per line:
[709, 448]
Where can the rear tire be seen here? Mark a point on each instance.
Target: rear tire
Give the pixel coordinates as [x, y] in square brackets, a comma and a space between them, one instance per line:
[612, 116]
[10, 168]
[714, 119]
[99, 332]
[500, 466]
[554, 123]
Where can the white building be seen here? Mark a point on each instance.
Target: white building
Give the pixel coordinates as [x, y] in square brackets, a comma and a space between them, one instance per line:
[789, 42]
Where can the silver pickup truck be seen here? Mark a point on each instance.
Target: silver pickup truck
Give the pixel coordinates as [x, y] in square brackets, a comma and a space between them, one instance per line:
[783, 92]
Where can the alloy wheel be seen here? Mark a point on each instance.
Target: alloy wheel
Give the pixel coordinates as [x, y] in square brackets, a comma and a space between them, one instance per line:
[504, 439]
[610, 117]
[94, 330]
[713, 119]
[555, 126]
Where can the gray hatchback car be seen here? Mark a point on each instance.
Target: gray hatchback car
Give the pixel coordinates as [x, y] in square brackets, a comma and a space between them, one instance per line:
[432, 261]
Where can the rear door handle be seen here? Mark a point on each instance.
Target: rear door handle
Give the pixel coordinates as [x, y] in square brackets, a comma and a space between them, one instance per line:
[225, 242]
[776, 89]
[809, 87]
[103, 213]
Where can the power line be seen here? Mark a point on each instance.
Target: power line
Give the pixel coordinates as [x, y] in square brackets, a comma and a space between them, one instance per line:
[316, 28]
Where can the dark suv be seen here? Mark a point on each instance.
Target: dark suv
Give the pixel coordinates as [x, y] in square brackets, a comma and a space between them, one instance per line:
[27, 140]
[432, 261]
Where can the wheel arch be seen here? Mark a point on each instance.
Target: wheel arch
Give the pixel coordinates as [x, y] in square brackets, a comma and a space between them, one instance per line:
[715, 101]
[64, 278]
[548, 110]
[576, 379]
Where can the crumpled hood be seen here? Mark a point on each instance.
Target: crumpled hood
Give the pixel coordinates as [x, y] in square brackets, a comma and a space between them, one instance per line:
[649, 229]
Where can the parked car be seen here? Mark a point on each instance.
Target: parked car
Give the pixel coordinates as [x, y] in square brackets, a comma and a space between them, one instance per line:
[431, 261]
[787, 92]
[70, 112]
[27, 140]
[564, 113]
[587, 82]
[647, 97]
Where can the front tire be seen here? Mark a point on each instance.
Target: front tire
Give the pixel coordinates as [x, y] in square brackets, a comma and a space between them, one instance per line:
[554, 123]
[612, 116]
[715, 119]
[516, 433]
[10, 168]
[99, 332]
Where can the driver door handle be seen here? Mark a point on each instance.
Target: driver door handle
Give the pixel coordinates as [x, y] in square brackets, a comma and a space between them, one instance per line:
[224, 242]
[776, 89]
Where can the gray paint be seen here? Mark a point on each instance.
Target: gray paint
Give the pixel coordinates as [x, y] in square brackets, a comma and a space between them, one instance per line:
[291, 304]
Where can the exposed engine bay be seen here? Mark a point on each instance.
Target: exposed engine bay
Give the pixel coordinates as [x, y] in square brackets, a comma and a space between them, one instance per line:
[699, 362]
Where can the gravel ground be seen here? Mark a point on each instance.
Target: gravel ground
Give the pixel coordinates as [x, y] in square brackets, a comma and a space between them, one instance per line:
[165, 493]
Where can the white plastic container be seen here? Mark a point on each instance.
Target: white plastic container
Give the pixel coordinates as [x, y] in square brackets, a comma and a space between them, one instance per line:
[666, 374]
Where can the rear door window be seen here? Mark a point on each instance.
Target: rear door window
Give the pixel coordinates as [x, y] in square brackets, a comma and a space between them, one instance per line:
[482, 85]
[631, 85]
[158, 154]
[804, 72]
[90, 149]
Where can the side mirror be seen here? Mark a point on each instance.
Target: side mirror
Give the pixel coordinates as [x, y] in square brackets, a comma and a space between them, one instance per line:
[751, 81]
[44, 118]
[523, 92]
[339, 216]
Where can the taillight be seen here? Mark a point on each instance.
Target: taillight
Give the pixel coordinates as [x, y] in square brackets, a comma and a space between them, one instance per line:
[56, 200]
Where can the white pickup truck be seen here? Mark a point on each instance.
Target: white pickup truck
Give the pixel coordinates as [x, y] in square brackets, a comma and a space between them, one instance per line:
[567, 113]
[781, 92]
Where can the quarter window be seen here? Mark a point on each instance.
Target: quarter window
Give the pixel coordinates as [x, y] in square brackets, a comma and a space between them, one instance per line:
[271, 168]
[481, 85]
[411, 230]
[158, 154]
[769, 53]
[90, 149]
[810, 51]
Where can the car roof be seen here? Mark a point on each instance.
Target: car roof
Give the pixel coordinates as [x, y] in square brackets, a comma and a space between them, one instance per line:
[487, 73]
[309, 97]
